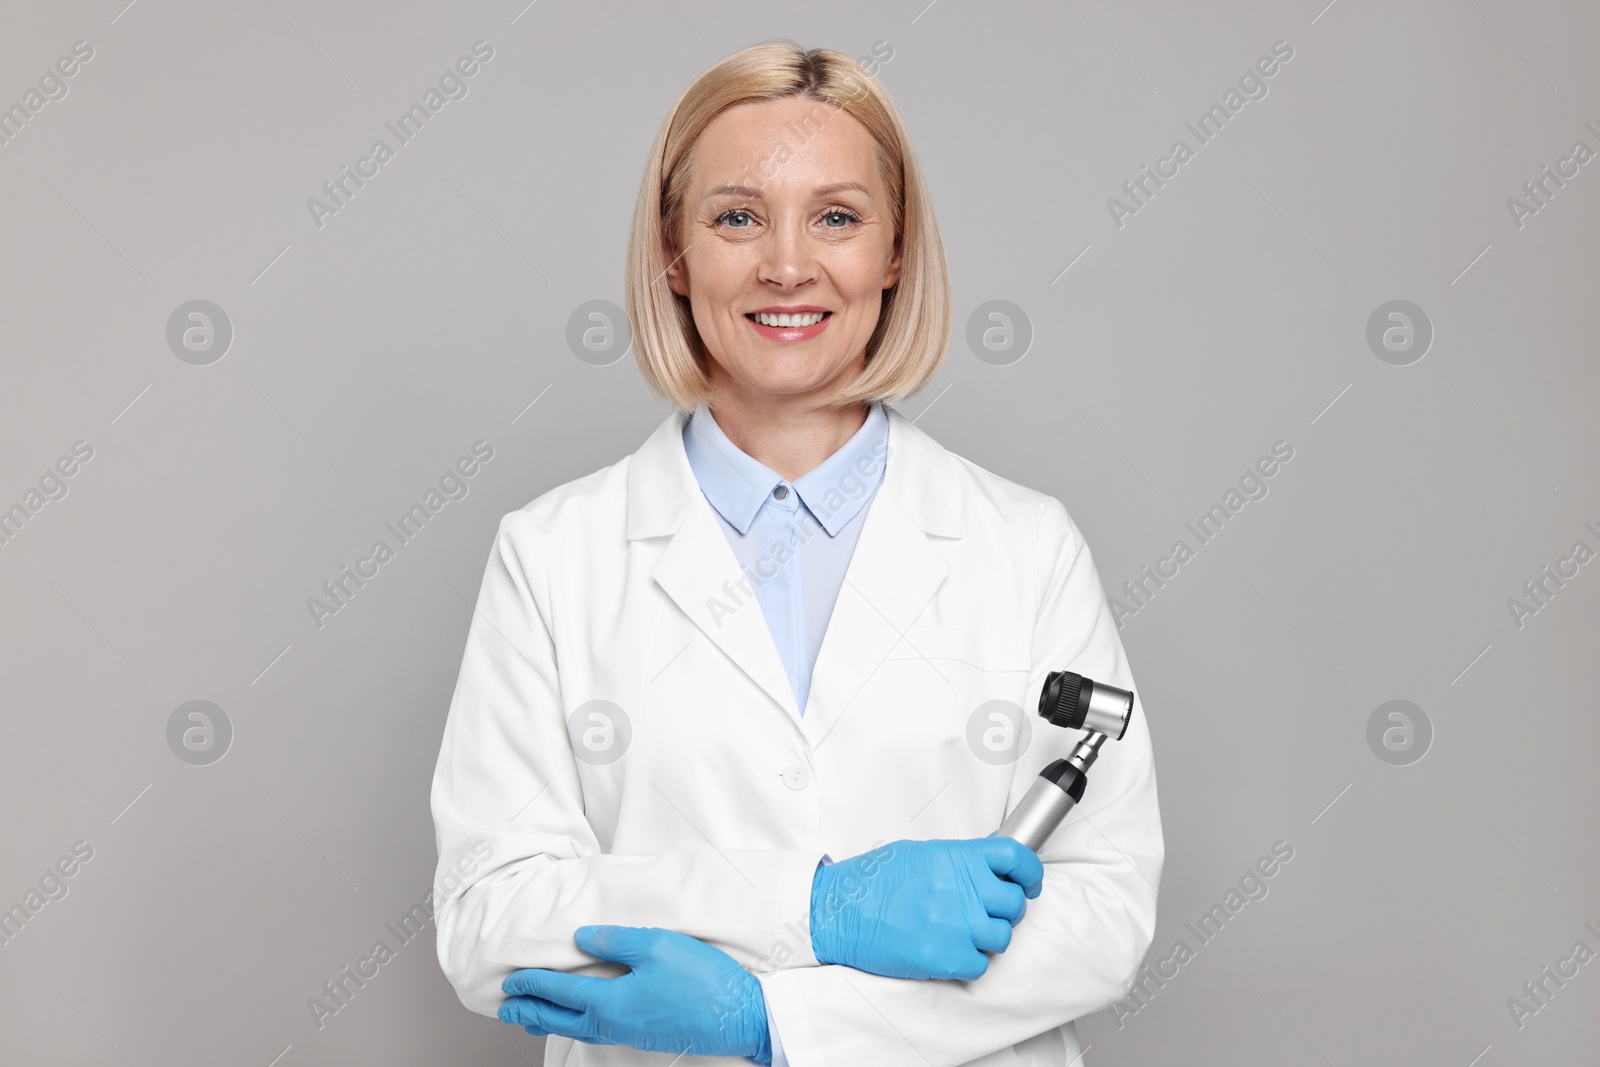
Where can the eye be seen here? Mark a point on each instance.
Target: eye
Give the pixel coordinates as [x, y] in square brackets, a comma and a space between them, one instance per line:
[739, 218]
[731, 213]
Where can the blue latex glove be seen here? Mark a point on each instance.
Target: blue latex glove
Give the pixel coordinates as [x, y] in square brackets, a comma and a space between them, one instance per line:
[923, 909]
[681, 995]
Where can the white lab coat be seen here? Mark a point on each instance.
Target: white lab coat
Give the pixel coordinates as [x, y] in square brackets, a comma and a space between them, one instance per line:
[964, 588]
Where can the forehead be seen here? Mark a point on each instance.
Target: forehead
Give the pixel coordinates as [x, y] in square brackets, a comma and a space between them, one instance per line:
[792, 144]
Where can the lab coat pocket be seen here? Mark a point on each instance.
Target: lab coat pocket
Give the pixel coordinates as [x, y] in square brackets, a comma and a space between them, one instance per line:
[963, 671]
[951, 701]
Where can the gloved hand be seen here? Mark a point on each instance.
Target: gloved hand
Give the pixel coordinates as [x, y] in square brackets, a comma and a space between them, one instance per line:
[682, 995]
[923, 909]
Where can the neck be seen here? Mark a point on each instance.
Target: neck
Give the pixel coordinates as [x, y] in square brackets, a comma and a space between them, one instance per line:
[789, 437]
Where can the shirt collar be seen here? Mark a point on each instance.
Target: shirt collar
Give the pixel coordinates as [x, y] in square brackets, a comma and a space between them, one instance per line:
[736, 484]
[836, 489]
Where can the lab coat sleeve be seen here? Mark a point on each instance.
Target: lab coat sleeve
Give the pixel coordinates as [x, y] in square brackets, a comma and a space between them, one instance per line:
[1081, 942]
[778, 1057]
[520, 868]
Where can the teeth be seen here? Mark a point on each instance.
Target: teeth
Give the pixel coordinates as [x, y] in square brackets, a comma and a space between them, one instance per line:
[809, 318]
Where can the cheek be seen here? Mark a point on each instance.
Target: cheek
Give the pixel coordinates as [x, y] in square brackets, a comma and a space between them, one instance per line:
[860, 272]
[707, 295]
[717, 279]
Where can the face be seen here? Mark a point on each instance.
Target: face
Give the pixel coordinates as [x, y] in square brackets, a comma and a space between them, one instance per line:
[774, 219]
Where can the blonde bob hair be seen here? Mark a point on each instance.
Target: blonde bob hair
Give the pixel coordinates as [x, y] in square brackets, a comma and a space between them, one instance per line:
[907, 346]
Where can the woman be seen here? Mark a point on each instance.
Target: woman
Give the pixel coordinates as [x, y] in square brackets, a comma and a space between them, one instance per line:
[789, 627]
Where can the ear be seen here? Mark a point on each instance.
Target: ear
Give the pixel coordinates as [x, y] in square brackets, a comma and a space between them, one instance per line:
[677, 270]
[891, 274]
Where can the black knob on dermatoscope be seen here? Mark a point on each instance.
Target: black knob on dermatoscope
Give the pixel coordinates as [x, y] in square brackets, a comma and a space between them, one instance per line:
[1080, 703]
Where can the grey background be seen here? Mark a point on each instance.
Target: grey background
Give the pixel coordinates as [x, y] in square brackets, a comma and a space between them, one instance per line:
[368, 355]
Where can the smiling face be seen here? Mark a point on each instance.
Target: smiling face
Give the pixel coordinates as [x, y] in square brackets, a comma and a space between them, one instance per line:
[811, 232]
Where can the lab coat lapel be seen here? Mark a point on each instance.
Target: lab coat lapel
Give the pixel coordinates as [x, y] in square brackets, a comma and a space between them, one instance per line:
[892, 574]
[698, 569]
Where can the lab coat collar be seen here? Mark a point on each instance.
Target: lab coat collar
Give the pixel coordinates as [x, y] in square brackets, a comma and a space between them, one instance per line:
[892, 574]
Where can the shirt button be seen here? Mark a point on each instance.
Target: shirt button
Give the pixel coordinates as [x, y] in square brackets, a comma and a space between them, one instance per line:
[781, 492]
[797, 776]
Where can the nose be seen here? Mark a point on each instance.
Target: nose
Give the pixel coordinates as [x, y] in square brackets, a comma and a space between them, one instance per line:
[788, 255]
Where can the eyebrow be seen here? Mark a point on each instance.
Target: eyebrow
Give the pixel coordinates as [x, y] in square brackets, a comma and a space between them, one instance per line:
[755, 194]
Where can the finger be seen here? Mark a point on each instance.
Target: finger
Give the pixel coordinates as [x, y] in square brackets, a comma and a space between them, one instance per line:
[534, 1013]
[991, 935]
[567, 990]
[516, 1016]
[619, 944]
[972, 964]
[1003, 900]
[1011, 859]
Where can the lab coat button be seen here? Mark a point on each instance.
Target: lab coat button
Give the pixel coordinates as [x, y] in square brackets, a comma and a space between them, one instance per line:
[797, 776]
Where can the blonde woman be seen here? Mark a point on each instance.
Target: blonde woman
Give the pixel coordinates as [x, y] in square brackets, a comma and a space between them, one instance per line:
[790, 627]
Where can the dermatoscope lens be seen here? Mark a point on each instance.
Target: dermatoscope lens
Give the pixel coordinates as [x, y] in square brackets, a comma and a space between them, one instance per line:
[1080, 703]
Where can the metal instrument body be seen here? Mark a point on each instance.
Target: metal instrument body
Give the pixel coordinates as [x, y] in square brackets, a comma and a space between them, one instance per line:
[1074, 702]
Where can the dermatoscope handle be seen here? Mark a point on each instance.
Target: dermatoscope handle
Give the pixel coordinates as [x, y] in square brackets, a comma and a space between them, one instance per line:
[1041, 809]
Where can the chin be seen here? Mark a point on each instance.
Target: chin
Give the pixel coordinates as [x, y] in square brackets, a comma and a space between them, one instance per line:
[788, 386]
[778, 376]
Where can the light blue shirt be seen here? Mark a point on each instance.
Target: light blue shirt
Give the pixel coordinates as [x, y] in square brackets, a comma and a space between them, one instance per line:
[793, 540]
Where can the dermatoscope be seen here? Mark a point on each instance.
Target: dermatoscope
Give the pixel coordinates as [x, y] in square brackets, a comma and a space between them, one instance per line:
[1076, 703]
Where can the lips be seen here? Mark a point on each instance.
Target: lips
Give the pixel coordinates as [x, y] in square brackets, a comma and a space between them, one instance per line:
[791, 313]
[789, 334]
